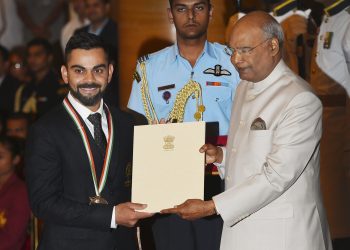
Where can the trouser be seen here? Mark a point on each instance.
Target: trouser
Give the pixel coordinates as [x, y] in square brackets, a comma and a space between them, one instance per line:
[173, 233]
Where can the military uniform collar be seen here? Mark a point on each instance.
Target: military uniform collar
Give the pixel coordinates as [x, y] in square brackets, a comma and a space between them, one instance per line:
[336, 7]
[285, 7]
[208, 49]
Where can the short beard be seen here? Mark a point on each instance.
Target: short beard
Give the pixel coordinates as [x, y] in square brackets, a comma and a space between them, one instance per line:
[87, 100]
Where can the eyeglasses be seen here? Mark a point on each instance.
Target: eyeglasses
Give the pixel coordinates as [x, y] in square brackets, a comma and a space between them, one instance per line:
[242, 51]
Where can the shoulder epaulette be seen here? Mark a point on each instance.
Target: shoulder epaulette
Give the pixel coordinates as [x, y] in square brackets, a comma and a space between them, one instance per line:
[143, 58]
[336, 7]
[285, 7]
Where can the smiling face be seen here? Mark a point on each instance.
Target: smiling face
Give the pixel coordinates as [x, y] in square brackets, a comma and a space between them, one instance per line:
[190, 17]
[87, 72]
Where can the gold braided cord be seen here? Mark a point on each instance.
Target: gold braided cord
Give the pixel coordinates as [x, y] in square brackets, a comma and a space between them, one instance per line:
[146, 98]
[192, 88]
[178, 111]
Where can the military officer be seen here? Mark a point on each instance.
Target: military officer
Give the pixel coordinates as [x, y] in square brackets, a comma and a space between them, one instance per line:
[162, 80]
[330, 77]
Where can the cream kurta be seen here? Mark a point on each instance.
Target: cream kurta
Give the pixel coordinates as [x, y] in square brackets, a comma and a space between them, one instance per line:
[272, 199]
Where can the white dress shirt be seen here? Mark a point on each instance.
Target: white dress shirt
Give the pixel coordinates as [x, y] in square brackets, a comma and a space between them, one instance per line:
[84, 113]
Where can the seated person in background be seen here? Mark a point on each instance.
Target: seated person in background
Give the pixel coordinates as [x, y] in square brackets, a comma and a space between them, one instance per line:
[8, 86]
[18, 70]
[17, 125]
[43, 92]
[14, 205]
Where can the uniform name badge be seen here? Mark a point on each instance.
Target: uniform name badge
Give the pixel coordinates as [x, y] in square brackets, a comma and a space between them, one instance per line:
[97, 199]
[327, 40]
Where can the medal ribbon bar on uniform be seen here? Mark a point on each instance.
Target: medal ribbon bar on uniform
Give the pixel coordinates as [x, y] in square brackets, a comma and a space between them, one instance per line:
[74, 115]
[283, 8]
[336, 7]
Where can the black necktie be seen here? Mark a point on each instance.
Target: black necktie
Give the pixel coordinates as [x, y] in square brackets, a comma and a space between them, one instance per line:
[99, 136]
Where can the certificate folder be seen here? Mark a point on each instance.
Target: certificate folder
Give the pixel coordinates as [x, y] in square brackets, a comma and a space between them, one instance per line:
[167, 165]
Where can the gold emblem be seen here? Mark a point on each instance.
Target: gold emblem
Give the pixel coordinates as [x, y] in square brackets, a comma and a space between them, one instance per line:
[3, 219]
[168, 142]
[327, 40]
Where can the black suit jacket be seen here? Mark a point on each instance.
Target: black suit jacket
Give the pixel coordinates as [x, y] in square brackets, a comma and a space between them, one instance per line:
[60, 184]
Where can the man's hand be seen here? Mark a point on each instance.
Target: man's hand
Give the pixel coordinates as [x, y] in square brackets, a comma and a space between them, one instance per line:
[126, 215]
[192, 209]
[212, 153]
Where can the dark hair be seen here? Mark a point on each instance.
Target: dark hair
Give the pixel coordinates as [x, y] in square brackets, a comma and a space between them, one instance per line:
[41, 42]
[19, 116]
[171, 3]
[86, 41]
[4, 53]
[21, 51]
[12, 144]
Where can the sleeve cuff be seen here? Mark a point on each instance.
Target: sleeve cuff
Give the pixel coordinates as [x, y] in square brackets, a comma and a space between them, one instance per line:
[113, 224]
[221, 166]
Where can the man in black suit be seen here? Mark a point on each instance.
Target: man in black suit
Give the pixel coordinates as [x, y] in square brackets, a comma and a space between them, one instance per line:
[78, 160]
[8, 85]
[100, 24]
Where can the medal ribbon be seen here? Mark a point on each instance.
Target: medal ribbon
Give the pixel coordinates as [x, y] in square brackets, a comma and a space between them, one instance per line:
[73, 114]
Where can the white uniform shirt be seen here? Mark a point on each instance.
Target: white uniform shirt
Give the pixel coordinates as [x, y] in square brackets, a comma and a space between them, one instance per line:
[335, 60]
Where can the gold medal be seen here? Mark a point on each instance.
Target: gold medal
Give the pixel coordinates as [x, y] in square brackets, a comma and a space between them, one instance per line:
[101, 184]
[98, 200]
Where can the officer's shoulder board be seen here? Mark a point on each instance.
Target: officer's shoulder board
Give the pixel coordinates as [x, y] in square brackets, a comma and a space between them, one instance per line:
[136, 76]
[142, 59]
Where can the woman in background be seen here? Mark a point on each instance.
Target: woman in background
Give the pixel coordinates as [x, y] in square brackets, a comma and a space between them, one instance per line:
[14, 205]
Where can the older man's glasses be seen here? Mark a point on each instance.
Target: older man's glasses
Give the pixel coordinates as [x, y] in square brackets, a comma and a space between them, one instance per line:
[243, 50]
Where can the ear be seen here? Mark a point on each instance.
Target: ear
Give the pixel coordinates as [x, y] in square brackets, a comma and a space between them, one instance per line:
[170, 16]
[110, 72]
[16, 160]
[50, 58]
[211, 9]
[64, 74]
[108, 7]
[274, 46]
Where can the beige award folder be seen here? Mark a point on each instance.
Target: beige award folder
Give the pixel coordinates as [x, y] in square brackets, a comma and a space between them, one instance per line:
[167, 166]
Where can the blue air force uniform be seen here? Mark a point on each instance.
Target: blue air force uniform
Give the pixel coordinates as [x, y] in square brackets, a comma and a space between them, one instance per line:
[167, 72]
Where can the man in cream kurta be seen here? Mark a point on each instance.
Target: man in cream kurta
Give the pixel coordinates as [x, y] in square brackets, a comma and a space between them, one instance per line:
[272, 198]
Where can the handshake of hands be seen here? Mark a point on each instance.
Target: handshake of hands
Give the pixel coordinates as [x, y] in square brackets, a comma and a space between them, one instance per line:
[126, 214]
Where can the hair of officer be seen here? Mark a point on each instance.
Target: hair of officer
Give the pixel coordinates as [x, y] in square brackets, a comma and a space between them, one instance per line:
[272, 29]
[105, 1]
[43, 43]
[4, 53]
[171, 3]
[85, 41]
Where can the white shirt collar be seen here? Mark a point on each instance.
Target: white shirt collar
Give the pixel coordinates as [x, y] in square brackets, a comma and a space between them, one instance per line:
[82, 110]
